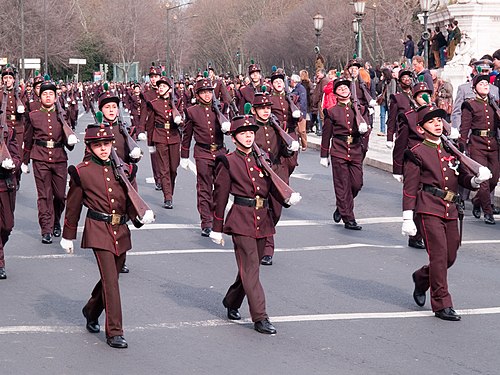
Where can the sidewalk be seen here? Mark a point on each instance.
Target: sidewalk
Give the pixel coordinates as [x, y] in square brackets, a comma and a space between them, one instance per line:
[378, 155]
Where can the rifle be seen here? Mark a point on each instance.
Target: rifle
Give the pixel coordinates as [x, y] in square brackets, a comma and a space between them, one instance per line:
[175, 111]
[494, 104]
[360, 119]
[4, 151]
[295, 110]
[19, 103]
[223, 121]
[70, 135]
[285, 137]
[282, 188]
[131, 143]
[472, 165]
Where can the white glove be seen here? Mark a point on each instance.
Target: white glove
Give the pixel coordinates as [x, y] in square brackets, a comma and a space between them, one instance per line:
[294, 199]
[184, 163]
[296, 113]
[454, 134]
[193, 100]
[136, 153]
[141, 137]
[131, 117]
[216, 237]
[409, 228]
[20, 108]
[67, 245]
[325, 162]
[126, 110]
[389, 144]
[148, 218]
[398, 177]
[8, 164]
[294, 146]
[371, 111]
[152, 149]
[72, 140]
[483, 175]
[363, 127]
[225, 126]
[178, 119]
[372, 103]
[25, 168]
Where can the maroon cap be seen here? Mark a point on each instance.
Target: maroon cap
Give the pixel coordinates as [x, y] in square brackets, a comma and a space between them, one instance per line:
[8, 71]
[405, 72]
[428, 112]
[253, 68]
[98, 132]
[354, 62]
[480, 77]
[339, 82]
[242, 124]
[164, 79]
[154, 70]
[107, 97]
[421, 87]
[261, 99]
[203, 84]
[277, 73]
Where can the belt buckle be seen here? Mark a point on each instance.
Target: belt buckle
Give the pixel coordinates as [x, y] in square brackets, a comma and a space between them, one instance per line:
[349, 139]
[449, 196]
[259, 202]
[167, 125]
[484, 133]
[213, 147]
[116, 219]
[51, 144]
[12, 117]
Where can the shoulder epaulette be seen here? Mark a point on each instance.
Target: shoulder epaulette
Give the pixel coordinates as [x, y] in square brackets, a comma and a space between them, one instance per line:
[222, 159]
[410, 156]
[73, 172]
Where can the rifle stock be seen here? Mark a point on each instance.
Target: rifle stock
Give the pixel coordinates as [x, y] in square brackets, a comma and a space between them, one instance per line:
[287, 138]
[359, 118]
[472, 165]
[4, 151]
[216, 107]
[175, 111]
[66, 128]
[131, 143]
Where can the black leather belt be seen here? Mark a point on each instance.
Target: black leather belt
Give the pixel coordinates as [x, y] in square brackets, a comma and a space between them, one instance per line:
[113, 219]
[49, 144]
[348, 138]
[446, 195]
[484, 133]
[211, 147]
[256, 202]
[166, 125]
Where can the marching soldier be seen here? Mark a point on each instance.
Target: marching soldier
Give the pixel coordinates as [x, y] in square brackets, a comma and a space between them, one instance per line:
[44, 142]
[431, 178]
[478, 135]
[135, 104]
[249, 220]
[400, 102]
[9, 163]
[342, 140]
[94, 185]
[32, 102]
[203, 124]
[247, 92]
[164, 138]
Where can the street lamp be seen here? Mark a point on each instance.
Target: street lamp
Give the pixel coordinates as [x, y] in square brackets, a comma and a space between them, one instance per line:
[168, 9]
[374, 8]
[425, 5]
[359, 13]
[355, 29]
[318, 20]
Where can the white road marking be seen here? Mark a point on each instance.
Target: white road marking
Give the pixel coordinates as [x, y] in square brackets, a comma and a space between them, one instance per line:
[5, 330]
[302, 176]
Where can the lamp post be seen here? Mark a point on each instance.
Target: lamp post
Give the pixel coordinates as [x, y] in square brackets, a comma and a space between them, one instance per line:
[318, 20]
[355, 29]
[374, 8]
[167, 63]
[359, 13]
[425, 5]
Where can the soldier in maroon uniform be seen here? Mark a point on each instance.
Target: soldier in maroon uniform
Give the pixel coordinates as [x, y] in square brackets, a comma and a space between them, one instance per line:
[8, 181]
[135, 104]
[342, 140]
[249, 220]
[44, 142]
[94, 185]
[164, 138]
[33, 101]
[431, 178]
[247, 92]
[400, 102]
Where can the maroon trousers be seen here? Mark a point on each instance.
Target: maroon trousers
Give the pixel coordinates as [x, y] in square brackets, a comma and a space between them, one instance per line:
[7, 205]
[106, 293]
[442, 239]
[154, 167]
[483, 196]
[205, 176]
[248, 252]
[50, 181]
[347, 183]
[168, 159]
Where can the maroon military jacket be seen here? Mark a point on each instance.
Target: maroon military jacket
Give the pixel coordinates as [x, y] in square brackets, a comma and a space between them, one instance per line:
[407, 137]
[147, 95]
[268, 139]
[398, 103]
[238, 174]
[7, 176]
[479, 115]
[341, 122]
[94, 185]
[281, 109]
[247, 94]
[43, 125]
[160, 123]
[202, 123]
[431, 164]
[14, 119]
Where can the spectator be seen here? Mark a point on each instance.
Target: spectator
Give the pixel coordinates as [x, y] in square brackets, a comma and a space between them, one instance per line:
[300, 91]
[418, 67]
[438, 45]
[306, 82]
[388, 88]
[496, 67]
[317, 97]
[329, 98]
[409, 49]
[454, 40]
[443, 94]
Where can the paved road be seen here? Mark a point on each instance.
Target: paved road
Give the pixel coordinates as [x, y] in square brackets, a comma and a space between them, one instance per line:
[340, 300]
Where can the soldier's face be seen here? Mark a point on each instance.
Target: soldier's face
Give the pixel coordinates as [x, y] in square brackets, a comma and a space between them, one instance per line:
[246, 139]
[101, 149]
[205, 95]
[163, 89]
[419, 99]
[255, 76]
[406, 80]
[37, 90]
[483, 88]
[48, 98]
[434, 126]
[8, 81]
[137, 90]
[343, 92]
[278, 84]
[354, 71]
[110, 111]
[263, 113]
[154, 78]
